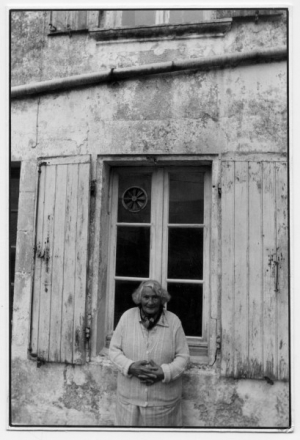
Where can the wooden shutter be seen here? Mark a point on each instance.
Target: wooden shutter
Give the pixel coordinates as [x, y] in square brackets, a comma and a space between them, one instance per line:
[59, 289]
[254, 301]
[65, 20]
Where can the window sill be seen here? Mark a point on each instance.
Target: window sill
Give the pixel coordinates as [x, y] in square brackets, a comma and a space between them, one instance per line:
[67, 32]
[215, 28]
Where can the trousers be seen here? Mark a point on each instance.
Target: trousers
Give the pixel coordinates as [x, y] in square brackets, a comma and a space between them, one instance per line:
[133, 415]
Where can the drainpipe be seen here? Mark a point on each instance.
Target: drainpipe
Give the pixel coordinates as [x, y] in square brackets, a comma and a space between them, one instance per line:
[115, 74]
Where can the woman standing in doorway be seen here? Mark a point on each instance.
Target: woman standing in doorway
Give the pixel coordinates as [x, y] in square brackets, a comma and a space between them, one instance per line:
[149, 349]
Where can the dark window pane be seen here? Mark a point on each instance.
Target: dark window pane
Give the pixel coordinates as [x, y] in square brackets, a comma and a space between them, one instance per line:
[14, 187]
[13, 228]
[12, 264]
[185, 256]
[138, 18]
[133, 249]
[185, 16]
[123, 298]
[186, 197]
[186, 303]
[134, 205]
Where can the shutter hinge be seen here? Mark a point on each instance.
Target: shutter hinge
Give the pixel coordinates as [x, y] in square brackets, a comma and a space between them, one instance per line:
[218, 349]
[40, 166]
[220, 190]
[87, 333]
[93, 188]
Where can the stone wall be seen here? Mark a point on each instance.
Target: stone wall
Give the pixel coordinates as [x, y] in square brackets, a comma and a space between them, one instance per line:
[70, 395]
[240, 110]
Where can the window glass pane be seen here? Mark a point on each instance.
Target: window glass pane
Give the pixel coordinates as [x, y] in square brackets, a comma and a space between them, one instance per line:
[13, 228]
[134, 204]
[185, 16]
[186, 197]
[138, 18]
[123, 298]
[133, 250]
[14, 187]
[12, 264]
[185, 253]
[186, 303]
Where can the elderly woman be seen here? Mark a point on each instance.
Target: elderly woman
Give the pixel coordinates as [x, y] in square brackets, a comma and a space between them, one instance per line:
[149, 349]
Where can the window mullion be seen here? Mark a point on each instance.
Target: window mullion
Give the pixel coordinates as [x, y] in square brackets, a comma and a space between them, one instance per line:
[156, 225]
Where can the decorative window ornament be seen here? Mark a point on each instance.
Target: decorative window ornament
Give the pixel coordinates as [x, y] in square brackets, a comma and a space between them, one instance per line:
[134, 199]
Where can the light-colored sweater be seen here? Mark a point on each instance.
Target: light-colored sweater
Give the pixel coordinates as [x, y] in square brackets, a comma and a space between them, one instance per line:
[165, 344]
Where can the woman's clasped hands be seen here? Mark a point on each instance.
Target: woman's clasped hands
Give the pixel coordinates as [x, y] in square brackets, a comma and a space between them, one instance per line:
[148, 372]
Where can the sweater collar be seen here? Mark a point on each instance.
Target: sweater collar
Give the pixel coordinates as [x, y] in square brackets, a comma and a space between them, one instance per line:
[163, 320]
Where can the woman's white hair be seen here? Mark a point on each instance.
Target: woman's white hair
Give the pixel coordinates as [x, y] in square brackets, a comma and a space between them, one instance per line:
[156, 287]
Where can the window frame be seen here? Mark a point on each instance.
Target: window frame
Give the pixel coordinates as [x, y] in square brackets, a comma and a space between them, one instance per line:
[97, 303]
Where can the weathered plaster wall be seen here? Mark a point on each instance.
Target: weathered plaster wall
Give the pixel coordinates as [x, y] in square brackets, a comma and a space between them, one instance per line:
[66, 395]
[232, 110]
[37, 57]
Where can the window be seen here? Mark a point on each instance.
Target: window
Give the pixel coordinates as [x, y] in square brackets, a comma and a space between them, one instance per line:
[160, 223]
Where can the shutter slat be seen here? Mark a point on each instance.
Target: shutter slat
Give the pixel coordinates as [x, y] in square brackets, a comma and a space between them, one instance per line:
[38, 263]
[227, 299]
[59, 20]
[241, 269]
[282, 254]
[81, 19]
[46, 272]
[69, 264]
[58, 266]
[269, 252]
[255, 271]
[74, 20]
[81, 264]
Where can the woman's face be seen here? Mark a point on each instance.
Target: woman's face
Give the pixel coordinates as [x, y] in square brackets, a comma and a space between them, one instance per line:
[150, 302]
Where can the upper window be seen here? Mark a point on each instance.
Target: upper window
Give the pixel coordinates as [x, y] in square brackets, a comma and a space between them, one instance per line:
[160, 230]
[84, 20]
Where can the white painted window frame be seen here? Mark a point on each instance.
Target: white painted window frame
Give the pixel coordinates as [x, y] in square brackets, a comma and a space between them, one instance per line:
[159, 246]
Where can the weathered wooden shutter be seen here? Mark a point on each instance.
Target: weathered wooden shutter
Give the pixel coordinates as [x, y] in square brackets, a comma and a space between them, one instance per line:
[254, 301]
[59, 289]
[69, 20]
